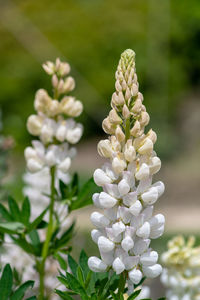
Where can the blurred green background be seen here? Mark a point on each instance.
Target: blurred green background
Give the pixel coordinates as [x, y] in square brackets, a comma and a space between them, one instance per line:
[90, 35]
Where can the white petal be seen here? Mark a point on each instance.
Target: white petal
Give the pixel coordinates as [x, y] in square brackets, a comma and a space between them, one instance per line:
[96, 265]
[131, 261]
[157, 221]
[112, 189]
[105, 244]
[141, 246]
[123, 187]
[127, 243]
[118, 265]
[95, 199]
[160, 187]
[65, 165]
[135, 276]
[99, 220]
[106, 201]
[107, 257]
[151, 196]
[147, 212]
[33, 165]
[101, 178]
[144, 231]
[143, 172]
[124, 214]
[95, 234]
[30, 153]
[112, 236]
[157, 232]
[118, 228]
[152, 271]
[136, 208]
[149, 258]
[130, 198]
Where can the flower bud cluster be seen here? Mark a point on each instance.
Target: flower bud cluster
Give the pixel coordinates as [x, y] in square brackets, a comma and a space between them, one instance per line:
[182, 269]
[54, 123]
[125, 228]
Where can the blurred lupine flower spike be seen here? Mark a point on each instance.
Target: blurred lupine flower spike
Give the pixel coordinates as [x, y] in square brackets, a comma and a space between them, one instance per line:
[181, 275]
[125, 228]
[54, 123]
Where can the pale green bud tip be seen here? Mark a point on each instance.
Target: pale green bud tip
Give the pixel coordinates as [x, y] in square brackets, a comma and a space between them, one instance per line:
[128, 54]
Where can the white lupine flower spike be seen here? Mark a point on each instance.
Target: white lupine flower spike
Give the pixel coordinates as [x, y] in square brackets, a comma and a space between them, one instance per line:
[126, 225]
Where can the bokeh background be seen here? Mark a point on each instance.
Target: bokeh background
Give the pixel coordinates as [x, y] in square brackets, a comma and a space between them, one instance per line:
[90, 35]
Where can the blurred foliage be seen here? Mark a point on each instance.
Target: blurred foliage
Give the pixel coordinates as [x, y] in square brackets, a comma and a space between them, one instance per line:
[91, 34]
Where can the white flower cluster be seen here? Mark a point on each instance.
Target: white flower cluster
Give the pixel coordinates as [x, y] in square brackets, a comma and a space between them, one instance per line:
[181, 275]
[50, 124]
[127, 225]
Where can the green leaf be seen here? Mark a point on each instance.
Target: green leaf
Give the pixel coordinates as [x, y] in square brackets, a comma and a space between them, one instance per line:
[66, 236]
[37, 221]
[76, 286]
[61, 261]
[72, 264]
[115, 297]
[80, 276]
[163, 298]
[12, 227]
[14, 209]
[6, 283]
[83, 261]
[5, 214]
[19, 293]
[84, 197]
[134, 295]
[64, 295]
[27, 247]
[26, 211]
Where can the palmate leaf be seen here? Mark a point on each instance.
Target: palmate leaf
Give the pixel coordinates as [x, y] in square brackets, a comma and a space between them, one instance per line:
[6, 286]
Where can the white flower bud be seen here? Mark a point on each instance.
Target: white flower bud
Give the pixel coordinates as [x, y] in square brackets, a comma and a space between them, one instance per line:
[144, 231]
[66, 103]
[131, 261]
[127, 243]
[47, 133]
[61, 133]
[65, 165]
[152, 136]
[33, 165]
[54, 81]
[29, 152]
[134, 90]
[123, 187]
[104, 148]
[149, 258]
[147, 147]
[96, 265]
[141, 246]
[99, 220]
[34, 124]
[160, 187]
[118, 86]
[100, 177]
[125, 111]
[48, 67]
[144, 119]
[69, 84]
[74, 135]
[135, 130]
[118, 266]
[95, 234]
[152, 271]
[119, 134]
[107, 201]
[136, 208]
[137, 106]
[155, 165]
[129, 151]
[51, 157]
[118, 228]
[151, 196]
[108, 127]
[105, 245]
[118, 165]
[53, 108]
[76, 109]
[135, 276]
[157, 232]
[143, 172]
[114, 117]
[64, 68]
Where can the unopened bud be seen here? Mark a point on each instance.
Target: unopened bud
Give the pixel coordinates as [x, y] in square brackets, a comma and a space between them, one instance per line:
[124, 86]
[119, 134]
[60, 86]
[104, 148]
[118, 165]
[76, 109]
[116, 146]
[53, 108]
[48, 67]
[125, 112]
[64, 69]
[108, 127]
[69, 84]
[152, 136]
[129, 151]
[144, 119]
[134, 90]
[135, 130]
[118, 86]
[114, 118]
[137, 106]
[128, 94]
[147, 147]
[34, 124]
[57, 65]
[54, 81]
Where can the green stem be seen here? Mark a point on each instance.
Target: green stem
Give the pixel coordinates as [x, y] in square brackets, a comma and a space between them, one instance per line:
[122, 283]
[49, 233]
[127, 129]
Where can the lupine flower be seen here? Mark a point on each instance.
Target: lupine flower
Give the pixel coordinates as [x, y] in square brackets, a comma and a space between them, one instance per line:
[126, 225]
[54, 123]
[181, 275]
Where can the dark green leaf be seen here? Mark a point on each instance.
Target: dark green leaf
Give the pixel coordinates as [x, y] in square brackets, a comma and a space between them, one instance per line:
[14, 209]
[5, 214]
[6, 283]
[83, 261]
[19, 293]
[61, 260]
[76, 286]
[80, 276]
[26, 211]
[64, 295]
[72, 264]
[134, 295]
[37, 221]
[12, 227]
